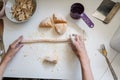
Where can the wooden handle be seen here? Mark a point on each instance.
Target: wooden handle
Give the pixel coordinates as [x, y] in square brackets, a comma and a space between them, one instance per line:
[45, 41]
[111, 69]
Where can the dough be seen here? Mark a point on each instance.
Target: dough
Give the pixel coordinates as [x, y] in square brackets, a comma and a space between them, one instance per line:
[58, 19]
[58, 22]
[60, 28]
[53, 59]
[46, 23]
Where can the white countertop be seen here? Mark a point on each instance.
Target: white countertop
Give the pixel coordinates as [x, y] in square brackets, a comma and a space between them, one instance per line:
[28, 62]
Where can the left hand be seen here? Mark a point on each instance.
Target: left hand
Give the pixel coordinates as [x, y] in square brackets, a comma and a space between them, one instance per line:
[11, 52]
[13, 49]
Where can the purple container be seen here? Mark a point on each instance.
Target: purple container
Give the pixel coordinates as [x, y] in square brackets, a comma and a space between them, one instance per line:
[77, 12]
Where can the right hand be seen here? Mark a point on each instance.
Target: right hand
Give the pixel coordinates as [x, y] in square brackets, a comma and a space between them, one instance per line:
[79, 49]
[78, 46]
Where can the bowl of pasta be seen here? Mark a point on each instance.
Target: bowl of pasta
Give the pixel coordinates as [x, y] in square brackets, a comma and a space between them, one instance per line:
[19, 11]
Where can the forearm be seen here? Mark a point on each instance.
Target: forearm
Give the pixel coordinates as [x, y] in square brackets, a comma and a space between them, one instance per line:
[86, 69]
[1, 72]
[87, 73]
[3, 65]
[2, 69]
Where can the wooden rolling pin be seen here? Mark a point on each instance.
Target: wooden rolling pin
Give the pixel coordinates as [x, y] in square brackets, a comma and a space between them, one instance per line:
[46, 41]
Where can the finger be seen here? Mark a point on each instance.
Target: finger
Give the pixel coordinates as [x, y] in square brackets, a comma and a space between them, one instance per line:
[19, 47]
[72, 38]
[74, 43]
[17, 41]
[75, 35]
[80, 38]
[77, 38]
[73, 47]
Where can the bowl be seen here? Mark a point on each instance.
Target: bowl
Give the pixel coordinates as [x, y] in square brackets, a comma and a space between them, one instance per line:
[9, 14]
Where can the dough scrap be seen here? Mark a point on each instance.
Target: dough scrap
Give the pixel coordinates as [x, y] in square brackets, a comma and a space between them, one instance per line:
[51, 59]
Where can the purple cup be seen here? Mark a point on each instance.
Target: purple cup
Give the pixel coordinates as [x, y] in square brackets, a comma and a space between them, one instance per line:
[77, 12]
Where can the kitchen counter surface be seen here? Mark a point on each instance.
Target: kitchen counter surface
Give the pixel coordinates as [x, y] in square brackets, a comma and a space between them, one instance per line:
[28, 62]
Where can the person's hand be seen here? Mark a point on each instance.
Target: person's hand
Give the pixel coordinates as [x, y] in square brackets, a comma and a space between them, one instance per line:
[78, 46]
[13, 49]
